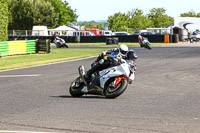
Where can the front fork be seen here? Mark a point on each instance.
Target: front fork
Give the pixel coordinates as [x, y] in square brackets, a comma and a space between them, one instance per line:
[81, 71]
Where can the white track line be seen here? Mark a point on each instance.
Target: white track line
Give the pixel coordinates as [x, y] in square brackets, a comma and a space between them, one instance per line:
[14, 76]
[4, 131]
[48, 64]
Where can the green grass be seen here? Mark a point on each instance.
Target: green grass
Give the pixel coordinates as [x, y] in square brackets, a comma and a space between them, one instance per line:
[56, 55]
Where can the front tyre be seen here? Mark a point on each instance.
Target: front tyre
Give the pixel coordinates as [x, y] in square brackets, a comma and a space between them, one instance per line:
[76, 87]
[148, 45]
[113, 91]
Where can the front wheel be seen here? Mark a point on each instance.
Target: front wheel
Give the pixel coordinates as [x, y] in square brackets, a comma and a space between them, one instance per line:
[148, 45]
[76, 87]
[112, 91]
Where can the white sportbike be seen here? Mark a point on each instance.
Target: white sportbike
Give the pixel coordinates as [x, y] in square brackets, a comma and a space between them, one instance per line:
[110, 82]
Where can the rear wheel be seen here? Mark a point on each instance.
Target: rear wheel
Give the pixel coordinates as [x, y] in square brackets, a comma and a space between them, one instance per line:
[76, 87]
[112, 91]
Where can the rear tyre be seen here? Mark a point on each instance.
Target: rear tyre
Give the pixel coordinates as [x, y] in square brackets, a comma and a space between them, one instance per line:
[76, 87]
[111, 91]
[65, 46]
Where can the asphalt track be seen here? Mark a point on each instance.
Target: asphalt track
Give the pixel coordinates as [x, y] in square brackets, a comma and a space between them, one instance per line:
[164, 98]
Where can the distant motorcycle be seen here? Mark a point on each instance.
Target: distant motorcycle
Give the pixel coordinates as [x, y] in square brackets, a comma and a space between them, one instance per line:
[59, 42]
[110, 82]
[144, 42]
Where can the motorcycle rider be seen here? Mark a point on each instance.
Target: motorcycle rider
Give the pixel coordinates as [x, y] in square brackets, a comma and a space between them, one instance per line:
[103, 61]
[140, 40]
[61, 41]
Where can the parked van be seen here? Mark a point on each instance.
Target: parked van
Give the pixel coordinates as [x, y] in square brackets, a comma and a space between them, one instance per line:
[40, 31]
[108, 33]
[95, 31]
[121, 33]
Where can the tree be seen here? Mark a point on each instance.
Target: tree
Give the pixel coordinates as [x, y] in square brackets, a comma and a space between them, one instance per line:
[138, 20]
[23, 14]
[190, 14]
[119, 21]
[20, 14]
[3, 20]
[44, 14]
[198, 15]
[159, 18]
[90, 25]
[65, 14]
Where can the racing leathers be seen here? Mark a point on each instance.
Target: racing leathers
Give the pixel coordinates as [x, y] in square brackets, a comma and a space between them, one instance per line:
[104, 60]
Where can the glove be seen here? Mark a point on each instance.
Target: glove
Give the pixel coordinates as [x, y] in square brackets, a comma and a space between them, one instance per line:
[112, 60]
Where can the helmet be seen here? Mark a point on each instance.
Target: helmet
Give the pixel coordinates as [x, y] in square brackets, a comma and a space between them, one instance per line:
[139, 37]
[131, 55]
[123, 49]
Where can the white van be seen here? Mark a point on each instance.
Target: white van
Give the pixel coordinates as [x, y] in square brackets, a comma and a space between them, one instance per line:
[122, 33]
[108, 33]
[40, 31]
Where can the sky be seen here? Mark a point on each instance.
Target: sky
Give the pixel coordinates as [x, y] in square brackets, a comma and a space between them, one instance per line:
[89, 10]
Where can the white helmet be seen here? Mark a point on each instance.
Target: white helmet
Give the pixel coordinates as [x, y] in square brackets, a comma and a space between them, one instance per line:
[123, 49]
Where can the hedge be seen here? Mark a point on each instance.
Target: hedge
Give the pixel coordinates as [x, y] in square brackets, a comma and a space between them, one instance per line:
[3, 20]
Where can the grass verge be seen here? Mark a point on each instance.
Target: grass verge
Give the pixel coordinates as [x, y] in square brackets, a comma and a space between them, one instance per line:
[56, 55]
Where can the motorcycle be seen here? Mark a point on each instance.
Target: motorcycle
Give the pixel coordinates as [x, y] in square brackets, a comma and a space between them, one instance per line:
[59, 42]
[110, 82]
[144, 43]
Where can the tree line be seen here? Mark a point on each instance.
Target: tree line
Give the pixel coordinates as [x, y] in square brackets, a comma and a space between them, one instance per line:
[136, 20]
[3, 20]
[24, 14]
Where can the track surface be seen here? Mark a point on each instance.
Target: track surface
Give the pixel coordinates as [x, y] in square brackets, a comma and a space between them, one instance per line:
[165, 97]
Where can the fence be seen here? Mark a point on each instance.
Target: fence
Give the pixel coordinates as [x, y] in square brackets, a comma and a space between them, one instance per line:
[48, 33]
[131, 38]
[173, 38]
[17, 47]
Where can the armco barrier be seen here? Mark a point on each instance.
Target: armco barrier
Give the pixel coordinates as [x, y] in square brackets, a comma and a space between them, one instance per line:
[17, 47]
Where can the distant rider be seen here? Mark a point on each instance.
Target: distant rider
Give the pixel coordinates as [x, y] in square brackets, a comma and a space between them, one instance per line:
[141, 40]
[61, 41]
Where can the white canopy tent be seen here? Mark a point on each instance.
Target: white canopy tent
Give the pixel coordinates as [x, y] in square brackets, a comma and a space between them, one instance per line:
[189, 23]
[63, 30]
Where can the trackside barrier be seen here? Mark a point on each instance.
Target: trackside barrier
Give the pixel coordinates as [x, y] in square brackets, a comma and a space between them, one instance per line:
[17, 47]
[173, 38]
[166, 38]
[43, 45]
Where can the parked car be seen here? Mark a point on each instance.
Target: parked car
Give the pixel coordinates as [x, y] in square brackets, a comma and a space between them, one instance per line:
[137, 32]
[146, 33]
[121, 33]
[196, 36]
